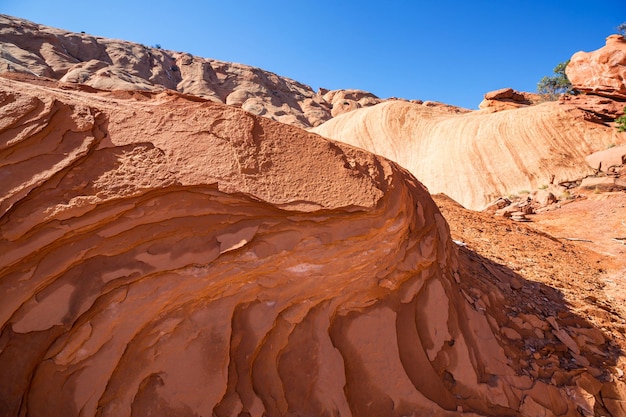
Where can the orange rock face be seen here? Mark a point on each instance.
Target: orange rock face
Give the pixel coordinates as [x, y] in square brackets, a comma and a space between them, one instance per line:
[601, 72]
[163, 255]
[478, 156]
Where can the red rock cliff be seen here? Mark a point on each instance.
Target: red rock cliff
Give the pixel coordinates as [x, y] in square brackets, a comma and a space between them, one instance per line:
[601, 72]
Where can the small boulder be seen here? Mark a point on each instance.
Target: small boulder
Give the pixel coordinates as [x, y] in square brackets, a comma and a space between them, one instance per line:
[608, 158]
[603, 184]
[497, 204]
[544, 198]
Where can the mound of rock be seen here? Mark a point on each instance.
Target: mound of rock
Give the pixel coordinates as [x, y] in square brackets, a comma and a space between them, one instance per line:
[108, 64]
[161, 255]
[343, 101]
[601, 72]
[479, 156]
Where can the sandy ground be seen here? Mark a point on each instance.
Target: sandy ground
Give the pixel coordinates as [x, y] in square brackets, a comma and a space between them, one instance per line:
[596, 222]
[585, 276]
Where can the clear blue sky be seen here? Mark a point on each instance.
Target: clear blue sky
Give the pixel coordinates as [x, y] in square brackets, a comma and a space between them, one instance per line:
[443, 50]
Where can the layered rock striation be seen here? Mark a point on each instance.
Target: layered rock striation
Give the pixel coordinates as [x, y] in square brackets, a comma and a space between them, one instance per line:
[164, 255]
[511, 145]
[479, 156]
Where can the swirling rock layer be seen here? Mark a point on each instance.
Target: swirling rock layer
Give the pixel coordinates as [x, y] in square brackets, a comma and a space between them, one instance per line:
[161, 255]
[479, 156]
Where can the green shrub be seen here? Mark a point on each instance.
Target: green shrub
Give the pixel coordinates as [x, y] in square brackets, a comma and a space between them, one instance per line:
[620, 122]
[554, 86]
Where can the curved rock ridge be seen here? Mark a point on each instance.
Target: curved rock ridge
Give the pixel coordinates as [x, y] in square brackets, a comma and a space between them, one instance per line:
[479, 156]
[109, 64]
[164, 256]
[601, 72]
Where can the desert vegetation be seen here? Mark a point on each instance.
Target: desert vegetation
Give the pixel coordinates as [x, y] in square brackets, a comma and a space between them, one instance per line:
[551, 87]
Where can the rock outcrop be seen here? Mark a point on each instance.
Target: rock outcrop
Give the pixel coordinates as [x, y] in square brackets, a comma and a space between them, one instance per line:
[479, 156]
[30, 48]
[166, 255]
[608, 160]
[343, 101]
[596, 108]
[601, 72]
[507, 98]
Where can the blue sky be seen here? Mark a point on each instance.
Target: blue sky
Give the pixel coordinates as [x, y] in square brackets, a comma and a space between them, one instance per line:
[443, 50]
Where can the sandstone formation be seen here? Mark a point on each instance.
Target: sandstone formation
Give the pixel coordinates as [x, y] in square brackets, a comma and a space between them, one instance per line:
[608, 160]
[603, 184]
[507, 98]
[479, 156]
[596, 108]
[30, 48]
[601, 72]
[512, 144]
[166, 255]
[343, 101]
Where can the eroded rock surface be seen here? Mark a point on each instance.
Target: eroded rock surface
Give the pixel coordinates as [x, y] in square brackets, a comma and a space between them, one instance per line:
[161, 255]
[479, 156]
[108, 64]
[601, 72]
[507, 98]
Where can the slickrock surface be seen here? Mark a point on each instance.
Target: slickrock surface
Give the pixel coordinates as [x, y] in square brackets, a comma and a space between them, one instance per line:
[165, 255]
[479, 156]
[601, 72]
[30, 48]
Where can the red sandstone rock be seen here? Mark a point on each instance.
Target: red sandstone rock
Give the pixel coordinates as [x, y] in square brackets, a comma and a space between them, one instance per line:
[597, 108]
[601, 72]
[108, 64]
[603, 184]
[161, 255]
[608, 159]
[507, 98]
[442, 107]
[342, 101]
